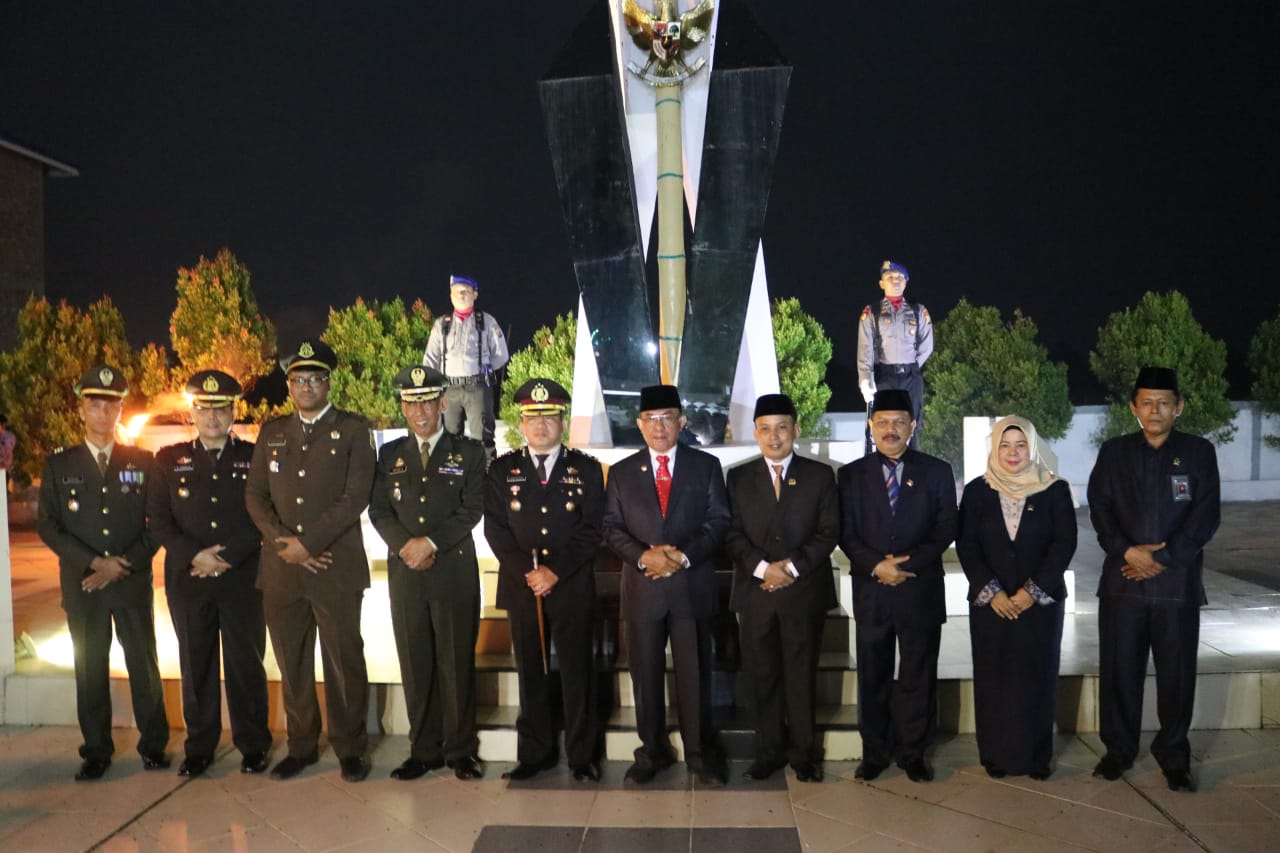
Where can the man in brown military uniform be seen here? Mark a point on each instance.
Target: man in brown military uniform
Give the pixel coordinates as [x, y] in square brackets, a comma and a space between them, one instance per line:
[92, 514]
[308, 483]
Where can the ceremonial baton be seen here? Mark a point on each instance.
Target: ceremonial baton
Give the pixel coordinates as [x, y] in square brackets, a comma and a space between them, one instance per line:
[542, 624]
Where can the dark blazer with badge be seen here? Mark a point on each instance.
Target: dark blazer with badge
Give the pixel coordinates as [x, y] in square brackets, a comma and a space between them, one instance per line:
[83, 515]
[696, 521]
[196, 501]
[443, 502]
[803, 525]
[315, 493]
[561, 520]
[923, 526]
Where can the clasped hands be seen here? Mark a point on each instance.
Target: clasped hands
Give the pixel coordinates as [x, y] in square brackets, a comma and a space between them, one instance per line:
[293, 551]
[207, 563]
[776, 576]
[104, 571]
[541, 580]
[888, 573]
[1012, 606]
[1140, 562]
[662, 561]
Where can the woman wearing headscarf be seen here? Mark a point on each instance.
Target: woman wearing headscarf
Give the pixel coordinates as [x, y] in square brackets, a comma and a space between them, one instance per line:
[1017, 535]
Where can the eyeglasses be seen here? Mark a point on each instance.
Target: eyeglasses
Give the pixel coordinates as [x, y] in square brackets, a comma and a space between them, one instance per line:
[541, 419]
[666, 419]
[304, 381]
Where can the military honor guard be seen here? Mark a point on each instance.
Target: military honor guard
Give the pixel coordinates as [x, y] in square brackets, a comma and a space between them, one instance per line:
[92, 514]
[786, 522]
[897, 518]
[895, 339]
[309, 481]
[196, 510]
[428, 495]
[1155, 502]
[666, 514]
[542, 517]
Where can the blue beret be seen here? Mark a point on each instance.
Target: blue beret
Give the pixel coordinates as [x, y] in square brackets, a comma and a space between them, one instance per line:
[893, 266]
[462, 279]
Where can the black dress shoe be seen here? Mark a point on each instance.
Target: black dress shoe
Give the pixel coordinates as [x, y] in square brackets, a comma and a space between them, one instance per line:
[254, 762]
[807, 771]
[92, 768]
[1040, 775]
[589, 772]
[355, 768]
[710, 775]
[415, 768]
[156, 761]
[995, 772]
[640, 774]
[467, 767]
[868, 769]
[1179, 780]
[1110, 768]
[194, 765]
[918, 770]
[292, 765]
[529, 769]
[761, 770]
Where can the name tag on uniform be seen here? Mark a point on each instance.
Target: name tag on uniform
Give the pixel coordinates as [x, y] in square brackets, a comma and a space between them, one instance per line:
[276, 441]
[1180, 484]
[73, 480]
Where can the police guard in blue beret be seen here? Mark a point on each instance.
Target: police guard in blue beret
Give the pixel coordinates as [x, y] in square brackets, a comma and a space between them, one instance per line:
[309, 481]
[427, 497]
[196, 509]
[542, 516]
[895, 339]
[92, 514]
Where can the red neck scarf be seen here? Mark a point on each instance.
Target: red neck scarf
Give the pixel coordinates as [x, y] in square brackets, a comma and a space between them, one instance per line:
[463, 315]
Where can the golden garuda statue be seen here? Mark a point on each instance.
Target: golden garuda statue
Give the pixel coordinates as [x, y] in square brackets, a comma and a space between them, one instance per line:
[662, 33]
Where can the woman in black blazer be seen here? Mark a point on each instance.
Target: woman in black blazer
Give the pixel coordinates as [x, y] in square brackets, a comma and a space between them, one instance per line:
[1017, 535]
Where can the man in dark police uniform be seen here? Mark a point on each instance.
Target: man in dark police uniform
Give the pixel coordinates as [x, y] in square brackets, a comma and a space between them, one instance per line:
[897, 518]
[1154, 499]
[427, 497]
[308, 483]
[542, 515]
[195, 508]
[92, 514]
[786, 521]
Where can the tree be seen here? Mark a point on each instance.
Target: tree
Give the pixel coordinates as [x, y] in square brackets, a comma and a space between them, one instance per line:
[548, 356]
[1161, 331]
[216, 323]
[803, 351]
[1264, 359]
[56, 345]
[982, 366]
[374, 341]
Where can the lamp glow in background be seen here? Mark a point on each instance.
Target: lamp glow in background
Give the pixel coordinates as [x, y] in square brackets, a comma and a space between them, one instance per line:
[651, 348]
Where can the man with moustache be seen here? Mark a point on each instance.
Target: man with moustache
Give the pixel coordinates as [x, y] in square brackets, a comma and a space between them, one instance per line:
[897, 517]
[92, 514]
[196, 509]
[1155, 502]
[666, 514]
[542, 517]
[786, 521]
[309, 480]
[895, 339]
[428, 495]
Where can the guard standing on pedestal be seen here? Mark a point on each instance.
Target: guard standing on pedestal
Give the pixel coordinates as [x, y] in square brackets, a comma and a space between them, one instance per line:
[895, 339]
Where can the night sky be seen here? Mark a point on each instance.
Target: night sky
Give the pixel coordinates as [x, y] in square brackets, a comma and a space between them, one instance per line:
[1058, 157]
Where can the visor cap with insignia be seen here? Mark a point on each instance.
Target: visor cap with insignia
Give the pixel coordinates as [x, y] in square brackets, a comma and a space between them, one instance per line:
[311, 354]
[660, 397]
[213, 389]
[893, 266]
[464, 279]
[541, 397]
[419, 384]
[102, 381]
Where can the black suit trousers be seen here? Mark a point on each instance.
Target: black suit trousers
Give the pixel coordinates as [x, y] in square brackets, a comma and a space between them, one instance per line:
[897, 718]
[691, 657]
[571, 631]
[781, 648]
[232, 620]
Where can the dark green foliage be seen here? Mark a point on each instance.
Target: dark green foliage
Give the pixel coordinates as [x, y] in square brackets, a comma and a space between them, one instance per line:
[1264, 361]
[803, 351]
[374, 341]
[549, 356]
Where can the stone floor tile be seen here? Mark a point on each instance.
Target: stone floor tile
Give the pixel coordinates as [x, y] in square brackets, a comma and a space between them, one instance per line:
[529, 839]
[742, 808]
[820, 834]
[546, 808]
[652, 808]
[744, 840]
[1102, 830]
[643, 839]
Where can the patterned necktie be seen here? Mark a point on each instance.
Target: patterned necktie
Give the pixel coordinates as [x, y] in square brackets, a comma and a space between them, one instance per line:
[663, 481]
[542, 466]
[891, 485]
[102, 463]
[777, 481]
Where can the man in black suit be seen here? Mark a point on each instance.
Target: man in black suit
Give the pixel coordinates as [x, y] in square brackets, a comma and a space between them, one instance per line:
[428, 494]
[897, 517]
[542, 513]
[195, 508]
[786, 520]
[666, 514]
[92, 514]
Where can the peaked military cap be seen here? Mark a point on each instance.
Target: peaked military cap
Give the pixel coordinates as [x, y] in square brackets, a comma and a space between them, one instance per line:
[1157, 379]
[774, 404]
[102, 381]
[312, 353]
[541, 397]
[893, 266]
[660, 397]
[464, 279]
[891, 400]
[213, 389]
[419, 384]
